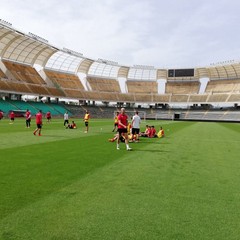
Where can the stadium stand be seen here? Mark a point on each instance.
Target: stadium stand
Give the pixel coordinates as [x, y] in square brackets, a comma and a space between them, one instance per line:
[234, 97]
[56, 92]
[55, 109]
[220, 86]
[157, 98]
[179, 98]
[142, 87]
[104, 85]
[199, 115]
[198, 98]
[21, 105]
[74, 93]
[19, 87]
[143, 98]
[109, 96]
[124, 97]
[2, 75]
[217, 98]
[69, 75]
[60, 108]
[92, 95]
[4, 86]
[24, 73]
[6, 106]
[37, 89]
[183, 87]
[64, 80]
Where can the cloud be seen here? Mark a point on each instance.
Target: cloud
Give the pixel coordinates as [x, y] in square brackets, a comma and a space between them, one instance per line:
[145, 32]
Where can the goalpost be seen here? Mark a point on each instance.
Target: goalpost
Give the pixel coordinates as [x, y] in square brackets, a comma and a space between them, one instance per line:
[141, 114]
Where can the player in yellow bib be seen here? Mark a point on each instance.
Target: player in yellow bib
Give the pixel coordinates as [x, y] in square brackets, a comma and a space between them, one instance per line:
[115, 122]
[86, 120]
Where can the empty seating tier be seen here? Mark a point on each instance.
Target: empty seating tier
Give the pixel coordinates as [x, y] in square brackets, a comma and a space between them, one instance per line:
[182, 87]
[2, 75]
[64, 80]
[104, 85]
[218, 98]
[24, 73]
[142, 86]
[198, 98]
[220, 86]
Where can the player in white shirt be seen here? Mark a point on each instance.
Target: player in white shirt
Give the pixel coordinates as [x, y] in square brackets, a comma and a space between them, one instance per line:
[136, 121]
[65, 117]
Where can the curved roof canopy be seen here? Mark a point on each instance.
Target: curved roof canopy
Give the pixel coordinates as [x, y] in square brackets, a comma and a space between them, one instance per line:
[19, 47]
[103, 70]
[64, 62]
[142, 74]
[31, 49]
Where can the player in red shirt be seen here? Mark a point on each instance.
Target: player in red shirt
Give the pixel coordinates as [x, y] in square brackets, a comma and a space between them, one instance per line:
[49, 117]
[152, 132]
[122, 128]
[39, 123]
[72, 126]
[28, 118]
[1, 114]
[12, 117]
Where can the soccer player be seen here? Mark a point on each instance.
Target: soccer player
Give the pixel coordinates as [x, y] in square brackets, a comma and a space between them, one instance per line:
[28, 118]
[65, 117]
[12, 117]
[1, 114]
[160, 134]
[48, 116]
[122, 139]
[39, 123]
[152, 132]
[86, 120]
[72, 125]
[136, 120]
[115, 121]
[122, 128]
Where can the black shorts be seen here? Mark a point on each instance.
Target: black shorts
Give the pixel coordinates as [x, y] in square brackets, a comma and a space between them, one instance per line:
[135, 130]
[39, 125]
[122, 130]
[86, 124]
[122, 139]
[116, 124]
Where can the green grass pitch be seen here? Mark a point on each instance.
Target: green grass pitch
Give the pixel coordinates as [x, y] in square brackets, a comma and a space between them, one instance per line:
[68, 185]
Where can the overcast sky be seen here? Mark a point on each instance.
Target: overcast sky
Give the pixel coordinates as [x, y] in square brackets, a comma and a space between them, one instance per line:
[164, 34]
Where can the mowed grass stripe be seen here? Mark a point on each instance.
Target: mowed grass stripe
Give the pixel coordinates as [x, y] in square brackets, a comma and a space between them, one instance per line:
[17, 135]
[90, 193]
[31, 172]
[171, 188]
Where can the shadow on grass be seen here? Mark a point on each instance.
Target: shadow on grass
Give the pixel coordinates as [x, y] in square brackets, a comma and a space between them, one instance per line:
[154, 142]
[161, 143]
[53, 136]
[150, 150]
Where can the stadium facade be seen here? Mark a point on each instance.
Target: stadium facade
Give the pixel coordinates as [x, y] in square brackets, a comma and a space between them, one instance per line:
[29, 65]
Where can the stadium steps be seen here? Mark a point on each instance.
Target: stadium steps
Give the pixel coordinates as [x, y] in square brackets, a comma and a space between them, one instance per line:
[21, 105]
[61, 109]
[7, 106]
